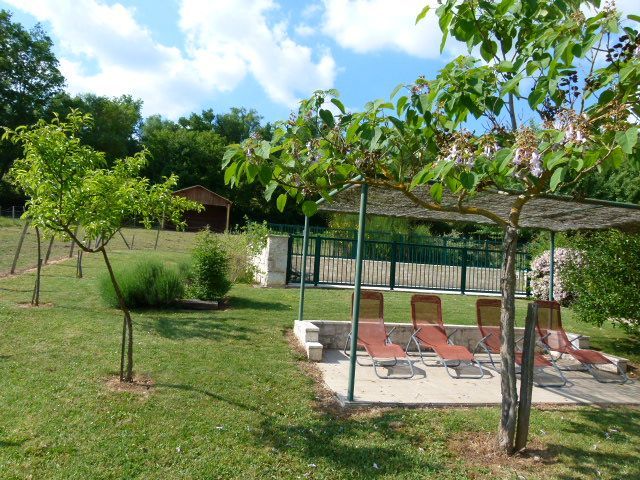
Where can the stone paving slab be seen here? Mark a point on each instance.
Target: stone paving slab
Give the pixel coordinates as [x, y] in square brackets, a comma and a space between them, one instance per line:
[431, 386]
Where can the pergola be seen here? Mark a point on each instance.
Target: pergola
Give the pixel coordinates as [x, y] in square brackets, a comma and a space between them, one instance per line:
[553, 213]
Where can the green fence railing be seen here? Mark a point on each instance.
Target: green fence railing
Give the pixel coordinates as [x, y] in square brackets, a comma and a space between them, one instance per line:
[392, 264]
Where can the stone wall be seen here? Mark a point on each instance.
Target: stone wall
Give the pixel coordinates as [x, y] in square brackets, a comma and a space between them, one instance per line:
[316, 335]
[271, 263]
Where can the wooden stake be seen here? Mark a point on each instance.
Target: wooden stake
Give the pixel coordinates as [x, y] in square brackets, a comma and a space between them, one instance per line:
[15, 257]
[46, 257]
[526, 377]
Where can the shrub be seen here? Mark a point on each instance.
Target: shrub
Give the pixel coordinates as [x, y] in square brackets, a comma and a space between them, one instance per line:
[607, 285]
[540, 274]
[146, 283]
[210, 268]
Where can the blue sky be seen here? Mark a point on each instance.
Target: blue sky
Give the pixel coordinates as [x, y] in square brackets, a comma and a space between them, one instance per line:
[181, 56]
[187, 55]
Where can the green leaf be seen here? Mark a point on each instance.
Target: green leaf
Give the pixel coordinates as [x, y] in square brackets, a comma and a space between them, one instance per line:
[265, 174]
[511, 86]
[505, 66]
[503, 158]
[395, 91]
[421, 15]
[488, 49]
[635, 18]
[230, 172]
[327, 118]
[557, 178]
[554, 159]
[468, 180]
[229, 154]
[338, 104]
[252, 171]
[268, 191]
[422, 177]
[436, 192]
[627, 140]
[264, 149]
[281, 202]
[504, 6]
[309, 208]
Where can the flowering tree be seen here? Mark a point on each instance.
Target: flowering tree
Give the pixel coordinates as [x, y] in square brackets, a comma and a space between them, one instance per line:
[552, 98]
[540, 274]
[68, 187]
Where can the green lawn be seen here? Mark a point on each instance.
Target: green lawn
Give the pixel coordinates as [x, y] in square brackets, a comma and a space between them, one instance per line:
[230, 399]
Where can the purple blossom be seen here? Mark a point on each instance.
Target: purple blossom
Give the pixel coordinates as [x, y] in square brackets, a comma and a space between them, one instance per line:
[517, 159]
[540, 269]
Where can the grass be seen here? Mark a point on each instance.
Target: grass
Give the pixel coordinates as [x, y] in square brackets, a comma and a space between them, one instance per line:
[230, 399]
[140, 238]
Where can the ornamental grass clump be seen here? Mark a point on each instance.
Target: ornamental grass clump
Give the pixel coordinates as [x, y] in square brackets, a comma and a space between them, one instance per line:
[148, 283]
[540, 274]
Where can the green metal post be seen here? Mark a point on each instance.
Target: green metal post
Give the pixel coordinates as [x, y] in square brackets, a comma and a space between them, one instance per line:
[303, 268]
[356, 291]
[463, 269]
[552, 263]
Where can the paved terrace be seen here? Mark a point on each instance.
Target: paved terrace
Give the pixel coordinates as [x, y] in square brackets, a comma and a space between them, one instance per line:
[431, 386]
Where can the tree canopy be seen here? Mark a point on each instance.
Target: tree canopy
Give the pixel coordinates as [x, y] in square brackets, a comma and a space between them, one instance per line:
[546, 97]
[29, 78]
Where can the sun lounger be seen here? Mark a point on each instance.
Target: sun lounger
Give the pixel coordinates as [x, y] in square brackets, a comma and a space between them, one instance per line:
[430, 334]
[373, 336]
[488, 318]
[555, 339]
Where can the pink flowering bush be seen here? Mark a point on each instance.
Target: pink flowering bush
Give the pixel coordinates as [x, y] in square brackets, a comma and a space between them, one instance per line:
[539, 274]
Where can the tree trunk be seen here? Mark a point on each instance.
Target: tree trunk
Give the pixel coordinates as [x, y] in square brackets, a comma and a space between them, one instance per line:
[126, 374]
[35, 298]
[507, 350]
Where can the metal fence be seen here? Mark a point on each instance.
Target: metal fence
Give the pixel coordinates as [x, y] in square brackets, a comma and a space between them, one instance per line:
[13, 211]
[466, 268]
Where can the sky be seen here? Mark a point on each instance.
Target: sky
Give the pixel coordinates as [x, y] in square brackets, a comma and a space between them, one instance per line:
[183, 56]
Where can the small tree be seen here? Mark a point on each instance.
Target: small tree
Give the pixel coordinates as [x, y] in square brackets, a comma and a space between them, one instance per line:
[576, 119]
[68, 187]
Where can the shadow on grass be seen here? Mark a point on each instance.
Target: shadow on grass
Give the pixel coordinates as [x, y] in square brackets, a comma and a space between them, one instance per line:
[180, 328]
[11, 443]
[604, 426]
[622, 346]
[359, 448]
[370, 446]
[238, 303]
[215, 396]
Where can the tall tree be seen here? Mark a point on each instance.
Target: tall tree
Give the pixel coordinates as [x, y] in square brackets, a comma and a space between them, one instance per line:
[29, 78]
[194, 149]
[116, 121]
[574, 79]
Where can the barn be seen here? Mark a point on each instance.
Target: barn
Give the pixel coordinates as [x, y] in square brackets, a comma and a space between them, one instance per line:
[216, 213]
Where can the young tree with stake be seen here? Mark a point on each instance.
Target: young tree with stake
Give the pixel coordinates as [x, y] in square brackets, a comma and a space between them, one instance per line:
[553, 99]
[68, 186]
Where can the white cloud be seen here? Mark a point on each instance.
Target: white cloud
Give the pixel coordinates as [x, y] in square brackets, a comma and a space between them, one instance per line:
[105, 50]
[304, 30]
[239, 28]
[369, 25]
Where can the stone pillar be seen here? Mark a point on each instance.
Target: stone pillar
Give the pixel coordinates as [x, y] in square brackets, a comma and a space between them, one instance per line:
[271, 263]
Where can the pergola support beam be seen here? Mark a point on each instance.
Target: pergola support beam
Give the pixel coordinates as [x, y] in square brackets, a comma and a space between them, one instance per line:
[356, 291]
[303, 268]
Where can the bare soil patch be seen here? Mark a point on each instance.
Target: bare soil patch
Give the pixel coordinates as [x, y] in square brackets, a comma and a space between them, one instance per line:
[41, 305]
[141, 385]
[481, 448]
